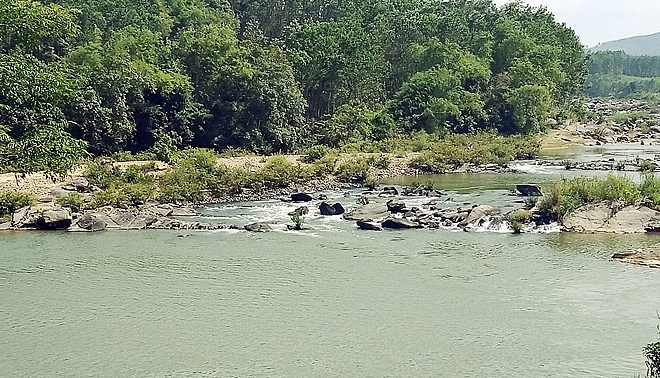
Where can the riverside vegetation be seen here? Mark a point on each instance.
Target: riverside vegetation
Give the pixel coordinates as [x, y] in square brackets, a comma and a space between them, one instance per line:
[93, 77]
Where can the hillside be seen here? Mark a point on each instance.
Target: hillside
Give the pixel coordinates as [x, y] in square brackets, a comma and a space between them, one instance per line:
[641, 45]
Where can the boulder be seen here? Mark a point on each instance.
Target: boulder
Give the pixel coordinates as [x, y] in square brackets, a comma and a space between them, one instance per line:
[92, 222]
[478, 213]
[81, 185]
[368, 212]
[302, 210]
[400, 224]
[258, 227]
[396, 206]
[54, 219]
[183, 212]
[529, 190]
[389, 191]
[336, 209]
[631, 220]
[59, 192]
[301, 197]
[587, 219]
[368, 226]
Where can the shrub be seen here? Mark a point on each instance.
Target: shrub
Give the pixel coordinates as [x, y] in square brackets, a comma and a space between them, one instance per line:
[324, 166]
[647, 166]
[99, 174]
[316, 153]
[74, 201]
[381, 161]
[353, 170]
[279, 172]
[652, 354]
[12, 201]
[518, 219]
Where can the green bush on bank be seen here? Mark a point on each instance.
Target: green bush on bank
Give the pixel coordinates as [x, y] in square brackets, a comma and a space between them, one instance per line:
[12, 201]
[570, 194]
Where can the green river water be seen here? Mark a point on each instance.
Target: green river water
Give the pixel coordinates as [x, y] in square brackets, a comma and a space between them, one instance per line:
[331, 301]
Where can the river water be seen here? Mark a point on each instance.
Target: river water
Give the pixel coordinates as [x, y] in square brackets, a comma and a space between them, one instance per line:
[331, 301]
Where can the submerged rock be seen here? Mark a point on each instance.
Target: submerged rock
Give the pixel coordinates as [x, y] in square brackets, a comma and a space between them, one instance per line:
[650, 257]
[399, 224]
[368, 226]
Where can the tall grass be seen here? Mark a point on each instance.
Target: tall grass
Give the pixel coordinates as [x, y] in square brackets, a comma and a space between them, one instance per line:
[568, 195]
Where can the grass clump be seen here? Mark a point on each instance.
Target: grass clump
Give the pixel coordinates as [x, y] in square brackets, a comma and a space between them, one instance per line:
[518, 219]
[12, 201]
[647, 166]
[122, 188]
[75, 201]
[570, 194]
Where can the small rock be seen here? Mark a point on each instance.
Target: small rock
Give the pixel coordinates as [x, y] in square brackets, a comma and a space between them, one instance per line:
[396, 206]
[91, 222]
[368, 226]
[529, 190]
[399, 224]
[301, 197]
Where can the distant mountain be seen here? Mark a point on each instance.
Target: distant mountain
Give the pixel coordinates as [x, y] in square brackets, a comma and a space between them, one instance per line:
[641, 45]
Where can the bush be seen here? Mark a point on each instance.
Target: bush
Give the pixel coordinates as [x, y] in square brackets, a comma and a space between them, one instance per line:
[570, 194]
[652, 354]
[12, 201]
[352, 171]
[647, 166]
[518, 219]
[324, 166]
[381, 161]
[279, 172]
[74, 201]
[315, 153]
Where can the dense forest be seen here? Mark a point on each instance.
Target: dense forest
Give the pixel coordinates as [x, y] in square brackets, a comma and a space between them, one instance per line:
[614, 73]
[273, 75]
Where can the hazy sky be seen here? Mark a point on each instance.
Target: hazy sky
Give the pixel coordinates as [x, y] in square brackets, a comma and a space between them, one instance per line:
[604, 20]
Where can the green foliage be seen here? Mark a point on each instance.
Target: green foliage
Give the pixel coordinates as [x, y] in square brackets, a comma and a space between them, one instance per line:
[280, 173]
[298, 220]
[647, 166]
[315, 153]
[381, 161]
[652, 354]
[570, 194]
[353, 170]
[74, 201]
[12, 201]
[518, 219]
[485, 148]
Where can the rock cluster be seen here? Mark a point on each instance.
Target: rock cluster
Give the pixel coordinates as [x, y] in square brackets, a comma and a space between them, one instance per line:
[50, 217]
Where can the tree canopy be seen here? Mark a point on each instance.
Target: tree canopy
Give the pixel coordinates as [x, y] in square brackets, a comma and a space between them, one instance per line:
[275, 76]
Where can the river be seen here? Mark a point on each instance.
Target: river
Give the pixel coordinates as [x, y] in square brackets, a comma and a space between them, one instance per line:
[331, 301]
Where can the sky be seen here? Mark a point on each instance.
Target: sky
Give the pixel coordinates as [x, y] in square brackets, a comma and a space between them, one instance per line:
[597, 21]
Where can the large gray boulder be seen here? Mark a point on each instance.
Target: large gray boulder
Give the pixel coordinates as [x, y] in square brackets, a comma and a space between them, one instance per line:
[368, 212]
[92, 222]
[479, 212]
[258, 227]
[54, 219]
[631, 220]
[601, 218]
[587, 219]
